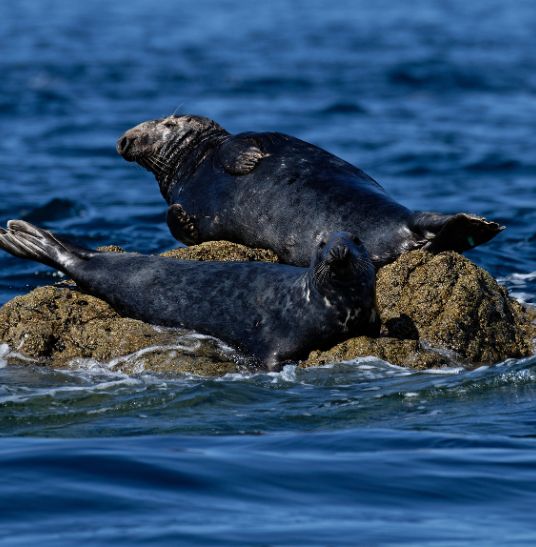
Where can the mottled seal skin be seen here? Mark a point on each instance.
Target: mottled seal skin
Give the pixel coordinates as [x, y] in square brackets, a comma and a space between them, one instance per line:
[274, 313]
[275, 191]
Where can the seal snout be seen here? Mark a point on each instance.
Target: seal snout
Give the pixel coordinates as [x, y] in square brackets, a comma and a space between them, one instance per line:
[123, 144]
[344, 256]
[338, 247]
[127, 144]
[133, 141]
[339, 252]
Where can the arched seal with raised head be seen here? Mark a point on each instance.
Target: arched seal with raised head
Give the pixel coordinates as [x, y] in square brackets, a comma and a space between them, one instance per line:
[272, 312]
[275, 191]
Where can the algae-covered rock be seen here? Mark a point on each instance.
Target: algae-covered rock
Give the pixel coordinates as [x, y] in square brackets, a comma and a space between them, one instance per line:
[60, 325]
[435, 310]
[449, 302]
[111, 249]
[212, 250]
[440, 309]
[407, 353]
[222, 250]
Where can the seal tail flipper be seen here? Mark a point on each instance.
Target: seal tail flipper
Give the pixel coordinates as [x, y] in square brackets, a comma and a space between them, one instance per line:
[459, 232]
[24, 240]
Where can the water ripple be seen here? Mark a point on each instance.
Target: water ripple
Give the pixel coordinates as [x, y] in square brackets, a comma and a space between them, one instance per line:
[437, 103]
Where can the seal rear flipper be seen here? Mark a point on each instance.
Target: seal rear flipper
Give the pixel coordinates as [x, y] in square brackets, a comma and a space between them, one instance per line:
[459, 232]
[24, 240]
[240, 155]
[182, 226]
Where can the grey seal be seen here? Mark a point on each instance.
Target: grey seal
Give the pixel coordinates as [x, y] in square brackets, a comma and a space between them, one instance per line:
[278, 192]
[270, 312]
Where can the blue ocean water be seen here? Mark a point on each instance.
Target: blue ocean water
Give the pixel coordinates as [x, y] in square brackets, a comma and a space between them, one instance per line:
[437, 101]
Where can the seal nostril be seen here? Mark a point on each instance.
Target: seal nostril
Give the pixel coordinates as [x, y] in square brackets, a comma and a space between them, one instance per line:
[339, 253]
[343, 253]
[123, 144]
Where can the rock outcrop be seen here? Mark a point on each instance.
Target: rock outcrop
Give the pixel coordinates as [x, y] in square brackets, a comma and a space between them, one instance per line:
[441, 309]
[435, 310]
[61, 326]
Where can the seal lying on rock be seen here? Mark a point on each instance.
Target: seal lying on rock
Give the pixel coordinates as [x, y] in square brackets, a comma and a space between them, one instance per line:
[272, 312]
[275, 191]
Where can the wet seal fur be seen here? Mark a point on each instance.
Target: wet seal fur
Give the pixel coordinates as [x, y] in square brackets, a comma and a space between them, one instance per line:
[278, 192]
[274, 313]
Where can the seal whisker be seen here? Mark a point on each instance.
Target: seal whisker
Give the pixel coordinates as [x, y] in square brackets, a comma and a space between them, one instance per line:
[159, 162]
[360, 264]
[176, 109]
[320, 272]
[152, 165]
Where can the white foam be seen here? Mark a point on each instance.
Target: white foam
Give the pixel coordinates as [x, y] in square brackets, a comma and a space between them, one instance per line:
[189, 343]
[288, 374]
[152, 349]
[516, 282]
[235, 376]
[4, 352]
[519, 278]
[446, 370]
[521, 297]
[58, 391]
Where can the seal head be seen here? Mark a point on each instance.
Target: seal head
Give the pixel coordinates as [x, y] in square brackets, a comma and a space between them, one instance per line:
[344, 276]
[170, 147]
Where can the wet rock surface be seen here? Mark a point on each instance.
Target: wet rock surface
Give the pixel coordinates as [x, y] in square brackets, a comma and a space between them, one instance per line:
[408, 353]
[435, 309]
[441, 309]
[449, 302]
[62, 327]
[222, 250]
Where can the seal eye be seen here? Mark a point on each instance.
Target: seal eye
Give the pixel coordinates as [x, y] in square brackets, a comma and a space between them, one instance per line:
[169, 125]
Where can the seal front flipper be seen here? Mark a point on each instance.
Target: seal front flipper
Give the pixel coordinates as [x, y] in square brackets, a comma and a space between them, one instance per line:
[240, 155]
[459, 232]
[182, 226]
